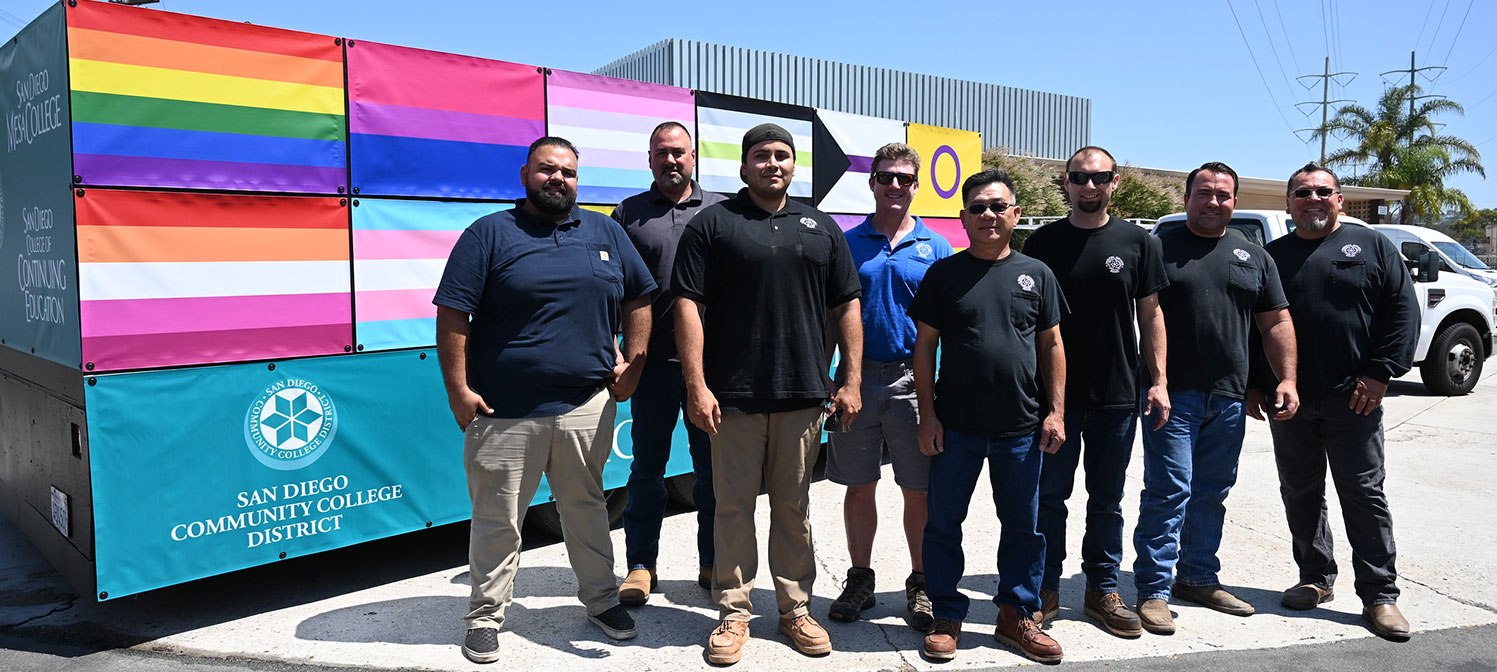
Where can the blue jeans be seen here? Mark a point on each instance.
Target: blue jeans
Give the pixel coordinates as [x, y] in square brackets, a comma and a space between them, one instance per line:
[1190, 465]
[656, 406]
[1014, 470]
[1108, 435]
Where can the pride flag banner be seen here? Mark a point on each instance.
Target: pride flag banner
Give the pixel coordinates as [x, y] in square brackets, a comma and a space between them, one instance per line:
[948, 156]
[721, 122]
[844, 147]
[399, 250]
[950, 229]
[174, 279]
[425, 123]
[610, 120]
[170, 100]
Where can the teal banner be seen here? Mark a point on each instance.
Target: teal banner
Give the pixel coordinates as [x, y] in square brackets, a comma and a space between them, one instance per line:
[39, 288]
[206, 470]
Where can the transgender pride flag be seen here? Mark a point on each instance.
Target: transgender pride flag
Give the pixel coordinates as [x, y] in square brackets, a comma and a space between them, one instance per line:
[425, 123]
[610, 120]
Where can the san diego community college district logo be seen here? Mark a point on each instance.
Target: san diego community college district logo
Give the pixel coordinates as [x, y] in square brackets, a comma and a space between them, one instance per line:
[290, 425]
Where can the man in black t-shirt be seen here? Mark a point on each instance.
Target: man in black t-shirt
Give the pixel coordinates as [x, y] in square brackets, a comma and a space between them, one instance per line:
[757, 278]
[1221, 285]
[1110, 272]
[1357, 322]
[994, 313]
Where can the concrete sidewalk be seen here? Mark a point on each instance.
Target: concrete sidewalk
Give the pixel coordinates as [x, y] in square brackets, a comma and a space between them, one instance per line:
[396, 604]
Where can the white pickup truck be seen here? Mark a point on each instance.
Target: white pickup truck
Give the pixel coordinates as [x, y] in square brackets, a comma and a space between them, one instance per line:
[1457, 313]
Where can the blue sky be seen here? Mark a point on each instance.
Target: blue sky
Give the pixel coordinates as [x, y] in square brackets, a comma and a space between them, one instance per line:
[1172, 84]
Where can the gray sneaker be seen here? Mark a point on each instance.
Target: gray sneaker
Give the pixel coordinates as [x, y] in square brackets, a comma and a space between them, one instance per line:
[917, 602]
[481, 645]
[616, 623]
[857, 595]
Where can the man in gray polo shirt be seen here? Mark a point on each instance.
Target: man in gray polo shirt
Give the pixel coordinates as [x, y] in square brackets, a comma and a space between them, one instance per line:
[654, 221]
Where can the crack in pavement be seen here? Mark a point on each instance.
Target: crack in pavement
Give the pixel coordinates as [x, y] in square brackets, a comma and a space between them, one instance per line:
[71, 600]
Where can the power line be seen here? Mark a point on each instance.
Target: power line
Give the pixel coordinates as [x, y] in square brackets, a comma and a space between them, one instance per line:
[1285, 30]
[1457, 34]
[1272, 48]
[1261, 78]
[1476, 67]
[1424, 23]
[1436, 35]
[1325, 101]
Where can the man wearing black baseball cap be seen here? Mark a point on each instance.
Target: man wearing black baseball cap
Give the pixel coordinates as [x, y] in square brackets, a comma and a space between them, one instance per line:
[756, 278]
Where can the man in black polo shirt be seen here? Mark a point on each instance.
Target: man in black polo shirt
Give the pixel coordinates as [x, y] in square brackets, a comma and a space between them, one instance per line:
[756, 279]
[1221, 287]
[547, 285]
[1110, 272]
[654, 221]
[1357, 322]
[995, 315]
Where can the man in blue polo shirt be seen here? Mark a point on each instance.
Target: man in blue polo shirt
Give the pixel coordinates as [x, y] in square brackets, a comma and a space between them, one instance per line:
[892, 250]
[526, 375]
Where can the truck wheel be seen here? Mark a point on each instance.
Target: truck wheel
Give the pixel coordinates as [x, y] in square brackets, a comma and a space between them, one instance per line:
[1453, 364]
[679, 488]
[545, 518]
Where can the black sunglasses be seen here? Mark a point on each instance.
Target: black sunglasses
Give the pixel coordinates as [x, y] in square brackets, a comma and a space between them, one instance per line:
[1323, 192]
[887, 177]
[1098, 178]
[998, 208]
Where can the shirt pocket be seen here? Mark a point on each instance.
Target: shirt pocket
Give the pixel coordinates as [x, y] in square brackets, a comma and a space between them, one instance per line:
[1349, 274]
[815, 246]
[605, 262]
[1244, 278]
[1024, 312]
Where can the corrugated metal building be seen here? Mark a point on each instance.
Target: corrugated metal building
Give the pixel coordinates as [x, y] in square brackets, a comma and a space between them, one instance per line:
[1023, 120]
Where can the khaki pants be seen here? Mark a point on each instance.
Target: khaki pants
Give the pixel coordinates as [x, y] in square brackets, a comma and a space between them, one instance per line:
[504, 459]
[776, 450]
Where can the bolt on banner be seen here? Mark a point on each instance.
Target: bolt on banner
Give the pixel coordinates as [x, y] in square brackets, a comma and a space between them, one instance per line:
[39, 297]
[947, 157]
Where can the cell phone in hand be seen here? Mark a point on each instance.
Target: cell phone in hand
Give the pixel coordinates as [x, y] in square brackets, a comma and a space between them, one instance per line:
[833, 421]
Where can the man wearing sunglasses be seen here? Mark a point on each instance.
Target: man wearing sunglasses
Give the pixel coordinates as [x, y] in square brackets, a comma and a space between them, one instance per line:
[654, 221]
[994, 312]
[760, 281]
[1357, 319]
[1221, 287]
[892, 250]
[1111, 274]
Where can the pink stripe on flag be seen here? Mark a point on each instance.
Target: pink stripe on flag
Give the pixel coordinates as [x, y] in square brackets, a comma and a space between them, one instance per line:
[415, 122]
[951, 229]
[382, 73]
[113, 353]
[599, 83]
[849, 221]
[395, 304]
[613, 102]
[123, 317]
[393, 244]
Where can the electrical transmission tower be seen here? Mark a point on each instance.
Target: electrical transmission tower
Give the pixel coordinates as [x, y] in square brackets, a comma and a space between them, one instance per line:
[1325, 101]
[1412, 88]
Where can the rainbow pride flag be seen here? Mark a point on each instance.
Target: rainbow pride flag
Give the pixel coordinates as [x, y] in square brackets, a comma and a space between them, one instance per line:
[399, 250]
[610, 120]
[170, 100]
[174, 279]
[425, 123]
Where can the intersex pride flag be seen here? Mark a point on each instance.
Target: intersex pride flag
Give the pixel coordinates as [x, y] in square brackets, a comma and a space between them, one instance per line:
[170, 100]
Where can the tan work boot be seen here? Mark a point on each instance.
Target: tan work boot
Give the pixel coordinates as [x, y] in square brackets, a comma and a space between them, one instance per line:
[941, 640]
[1114, 616]
[725, 644]
[806, 635]
[1154, 614]
[1017, 629]
[1215, 597]
[1387, 622]
[1049, 607]
[636, 588]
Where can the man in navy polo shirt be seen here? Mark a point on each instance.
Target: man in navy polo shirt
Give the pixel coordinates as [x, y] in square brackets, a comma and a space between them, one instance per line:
[546, 285]
[892, 250]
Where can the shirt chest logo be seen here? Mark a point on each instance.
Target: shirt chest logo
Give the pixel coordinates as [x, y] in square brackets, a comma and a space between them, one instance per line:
[1241, 254]
[1114, 264]
[1351, 250]
[603, 254]
[924, 250]
[1026, 283]
[810, 223]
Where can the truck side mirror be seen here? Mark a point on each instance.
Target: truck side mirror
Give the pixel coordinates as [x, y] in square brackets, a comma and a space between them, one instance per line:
[1429, 267]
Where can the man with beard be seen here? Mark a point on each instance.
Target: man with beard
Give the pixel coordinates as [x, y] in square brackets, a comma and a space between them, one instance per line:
[654, 221]
[1357, 319]
[1221, 286]
[525, 378]
[758, 278]
[1111, 274]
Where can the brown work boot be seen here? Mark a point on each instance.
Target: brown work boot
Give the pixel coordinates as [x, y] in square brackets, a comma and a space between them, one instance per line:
[636, 588]
[1154, 614]
[1215, 597]
[1049, 607]
[1018, 630]
[725, 645]
[941, 641]
[1306, 596]
[704, 578]
[806, 635]
[1387, 622]
[1114, 616]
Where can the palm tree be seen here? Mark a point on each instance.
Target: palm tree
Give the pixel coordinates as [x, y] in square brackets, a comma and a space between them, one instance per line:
[1401, 148]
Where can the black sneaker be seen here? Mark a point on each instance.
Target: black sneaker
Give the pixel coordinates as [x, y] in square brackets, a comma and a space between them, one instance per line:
[616, 623]
[481, 645]
[917, 602]
[857, 595]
